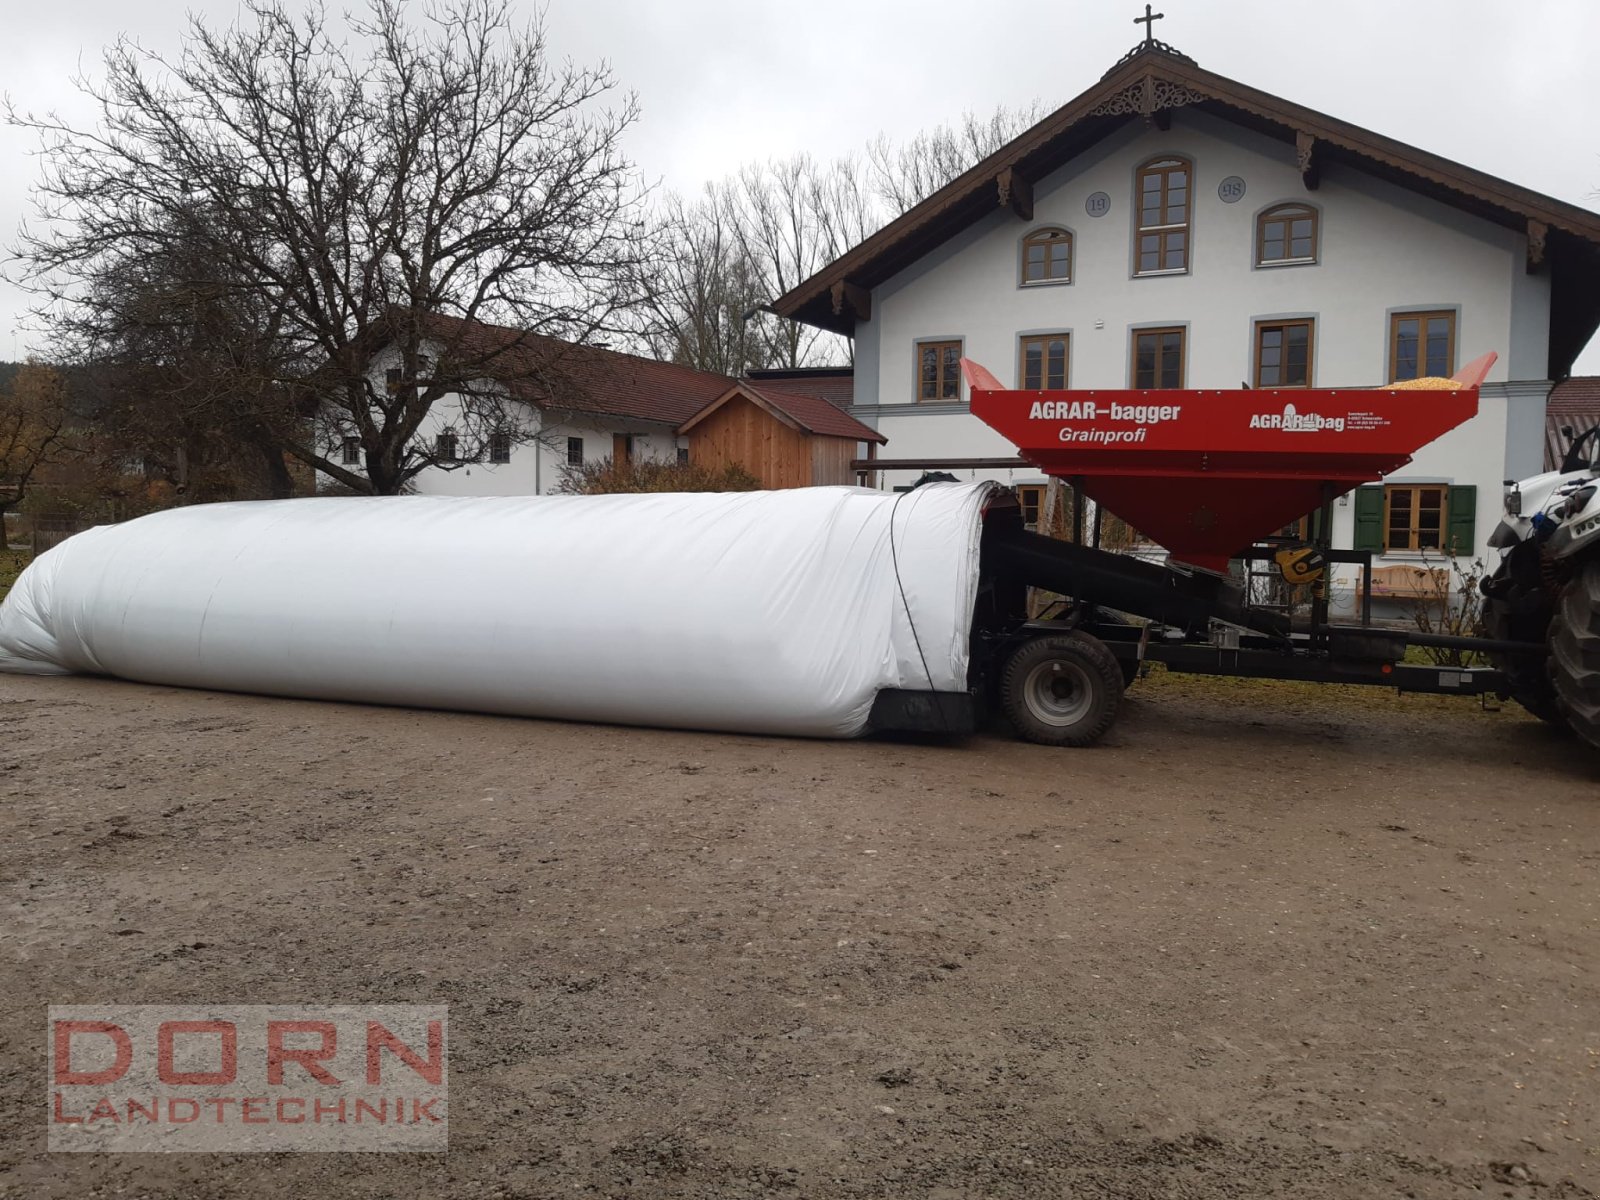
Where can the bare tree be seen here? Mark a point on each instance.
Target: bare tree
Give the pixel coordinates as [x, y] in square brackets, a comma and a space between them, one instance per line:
[174, 364]
[772, 225]
[905, 174]
[350, 187]
[705, 285]
[33, 419]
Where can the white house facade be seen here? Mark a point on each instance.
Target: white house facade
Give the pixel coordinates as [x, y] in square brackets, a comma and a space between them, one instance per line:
[1157, 233]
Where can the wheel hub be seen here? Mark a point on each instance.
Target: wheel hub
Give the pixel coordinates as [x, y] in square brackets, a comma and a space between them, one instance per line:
[1058, 693]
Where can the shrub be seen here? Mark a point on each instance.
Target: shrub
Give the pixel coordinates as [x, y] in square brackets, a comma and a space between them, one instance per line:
[606, 477]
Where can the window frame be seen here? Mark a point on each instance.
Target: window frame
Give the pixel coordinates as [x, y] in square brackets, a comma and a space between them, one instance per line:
[350, 452]
[1031, 493]
[939, 373]
[1163, 165]
[1266, 323]
[574, 444]
[1042, 236]
[1268, 214]
[1423, 315]
[499, 447]
[1413, 530]
[1133, 356]
[1024, 339]
[447, 436]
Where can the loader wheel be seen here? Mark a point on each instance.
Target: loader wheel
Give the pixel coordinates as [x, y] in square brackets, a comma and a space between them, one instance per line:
[1510, 614]
[1575, 653]
[1062, 689]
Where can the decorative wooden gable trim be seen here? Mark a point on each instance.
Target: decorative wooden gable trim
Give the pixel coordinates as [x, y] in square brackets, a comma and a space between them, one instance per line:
[858, 300]
[1151, 98]
[1016, 193]
[1538, 231]
[1305, 157]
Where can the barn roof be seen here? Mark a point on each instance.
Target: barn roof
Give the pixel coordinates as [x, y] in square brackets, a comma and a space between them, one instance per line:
[551, 373]
[837, 385]
[1574, 404]
[1149, 84]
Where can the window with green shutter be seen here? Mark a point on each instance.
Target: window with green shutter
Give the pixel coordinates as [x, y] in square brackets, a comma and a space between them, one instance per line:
[1417, 517]
[1369, 519]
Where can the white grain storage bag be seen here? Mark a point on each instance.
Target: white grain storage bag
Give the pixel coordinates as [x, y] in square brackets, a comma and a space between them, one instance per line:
[762, 612]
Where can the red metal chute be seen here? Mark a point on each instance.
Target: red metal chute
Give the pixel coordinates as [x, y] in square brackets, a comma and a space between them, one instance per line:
[1206, 473]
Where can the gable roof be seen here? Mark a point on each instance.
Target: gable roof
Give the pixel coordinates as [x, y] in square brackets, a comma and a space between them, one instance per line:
[1148, 84]
[551, 373]
[809, 414]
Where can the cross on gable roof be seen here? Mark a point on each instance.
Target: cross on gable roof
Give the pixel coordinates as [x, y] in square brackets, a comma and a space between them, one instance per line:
[1148, 84]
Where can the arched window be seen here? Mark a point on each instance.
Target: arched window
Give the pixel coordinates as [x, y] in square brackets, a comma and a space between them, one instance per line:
[1285, 234]
[1162, 243]
[1047, 256]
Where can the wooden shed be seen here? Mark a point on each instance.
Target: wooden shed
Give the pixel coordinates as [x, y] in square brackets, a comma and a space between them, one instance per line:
[783, 438]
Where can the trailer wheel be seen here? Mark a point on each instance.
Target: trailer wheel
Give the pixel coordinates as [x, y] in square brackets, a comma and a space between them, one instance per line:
[1062, 689]
[1127, 668]
[1575, 653]
[1507, 617]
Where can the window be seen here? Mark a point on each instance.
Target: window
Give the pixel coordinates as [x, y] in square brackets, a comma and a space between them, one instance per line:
[1163, 208]
[574, 452]
[1421, 344]
[1031, 497]
[1285, 234]
[1047, 256]
[500, 446]
[1043, 362]
[1414, 518]
[395, 377]
[350, 452]
[1283, 354]
[1417, 517]
[683, 456]
[938, 371]
[1158, 358]
[445, 446]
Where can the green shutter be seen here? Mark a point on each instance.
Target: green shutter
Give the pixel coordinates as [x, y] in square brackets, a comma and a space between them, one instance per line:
[1369, 519]
[1463, 503]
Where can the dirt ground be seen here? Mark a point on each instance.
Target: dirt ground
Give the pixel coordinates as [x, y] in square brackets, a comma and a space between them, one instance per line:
[1265, 942]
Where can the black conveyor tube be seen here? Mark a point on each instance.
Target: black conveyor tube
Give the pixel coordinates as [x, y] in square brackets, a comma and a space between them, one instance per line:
[1122, 582]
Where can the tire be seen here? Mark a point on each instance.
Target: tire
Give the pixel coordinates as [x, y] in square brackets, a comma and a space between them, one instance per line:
[1512, 614]
[1062, 689]
[1127, 668]
[1575, 653]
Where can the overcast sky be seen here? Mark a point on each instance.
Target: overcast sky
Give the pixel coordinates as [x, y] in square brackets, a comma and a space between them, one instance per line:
[1506, 87]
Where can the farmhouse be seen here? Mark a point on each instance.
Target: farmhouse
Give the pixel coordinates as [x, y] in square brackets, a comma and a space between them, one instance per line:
[1174, 228]
[583, 404]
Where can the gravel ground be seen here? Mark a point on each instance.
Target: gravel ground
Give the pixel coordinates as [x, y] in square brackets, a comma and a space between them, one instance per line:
[1266, 941]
